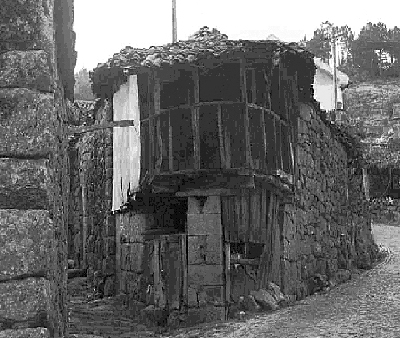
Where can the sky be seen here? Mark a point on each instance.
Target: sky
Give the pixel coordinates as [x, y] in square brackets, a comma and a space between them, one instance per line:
[104, 27]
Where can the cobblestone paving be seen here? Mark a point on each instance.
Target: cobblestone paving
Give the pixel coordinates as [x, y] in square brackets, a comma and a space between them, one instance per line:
[366, 306]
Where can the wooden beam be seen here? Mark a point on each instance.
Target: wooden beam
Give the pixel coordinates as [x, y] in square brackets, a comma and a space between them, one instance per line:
[208, 192]
[243, 87]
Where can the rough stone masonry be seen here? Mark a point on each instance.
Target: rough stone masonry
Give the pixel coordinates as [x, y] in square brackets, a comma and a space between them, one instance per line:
[36, 75]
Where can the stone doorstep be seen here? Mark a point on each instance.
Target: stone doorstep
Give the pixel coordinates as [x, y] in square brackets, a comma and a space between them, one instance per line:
[205, 314]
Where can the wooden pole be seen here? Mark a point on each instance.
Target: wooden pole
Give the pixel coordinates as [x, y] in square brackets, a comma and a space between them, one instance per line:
[174, 31]
[334, 75]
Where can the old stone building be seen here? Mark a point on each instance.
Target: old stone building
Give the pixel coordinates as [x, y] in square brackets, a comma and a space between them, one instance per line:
[214, 174]
[37, 60]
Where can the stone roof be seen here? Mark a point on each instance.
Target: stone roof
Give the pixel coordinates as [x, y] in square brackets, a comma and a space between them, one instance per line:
[204, 44]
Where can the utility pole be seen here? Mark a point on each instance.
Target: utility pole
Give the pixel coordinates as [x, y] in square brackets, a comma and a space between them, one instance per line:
[334, 73]
[174, 32]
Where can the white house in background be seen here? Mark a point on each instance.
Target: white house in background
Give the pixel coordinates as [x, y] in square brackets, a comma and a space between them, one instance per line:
[324, 85]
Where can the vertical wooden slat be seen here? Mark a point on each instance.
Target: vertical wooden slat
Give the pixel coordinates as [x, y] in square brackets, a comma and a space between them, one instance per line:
[154, 110]
[253, 85]
[226, 230]
[195, 119]
[264, 165]
[227, 249]
[255, 217]
[264, 212]
[267, 78]
[244, 227]
[266, 257]
[184, 265]
[221, 138]
[238, 218]
[170, 148]
[276, 246]
[243, 87]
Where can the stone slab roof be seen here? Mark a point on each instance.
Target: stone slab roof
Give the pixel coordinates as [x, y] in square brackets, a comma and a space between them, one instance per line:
[204, 44]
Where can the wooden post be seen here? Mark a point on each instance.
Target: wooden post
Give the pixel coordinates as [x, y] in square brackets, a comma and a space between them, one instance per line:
[243, 87]
[221, 138]
[195, 119]
[174, 25]
[153, 111]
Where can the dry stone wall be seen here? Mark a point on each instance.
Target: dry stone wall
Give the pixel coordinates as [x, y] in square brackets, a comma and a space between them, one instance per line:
[327, 230]
[33, 174]
[91, 226]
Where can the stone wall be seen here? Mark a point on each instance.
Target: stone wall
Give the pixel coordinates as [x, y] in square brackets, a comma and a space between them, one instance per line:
[385, 211]
[33, 174]
[328, 227]
[91, 224]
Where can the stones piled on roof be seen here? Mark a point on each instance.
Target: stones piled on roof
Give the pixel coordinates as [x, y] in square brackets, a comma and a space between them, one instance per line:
[205, 43]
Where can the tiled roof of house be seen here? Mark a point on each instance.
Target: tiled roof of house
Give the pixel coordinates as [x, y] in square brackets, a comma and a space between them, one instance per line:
[204, 44]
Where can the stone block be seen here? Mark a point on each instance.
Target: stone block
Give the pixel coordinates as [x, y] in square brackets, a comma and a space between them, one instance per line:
[136, 259]
[38, 332]
[26, 69]
[25, 241]
[204, 224]
[108, 267]
[24, 184]
[205, 314]
[27, 25]
[25, 118]
[205, 274]
[197, 248]
[265, 299]
[24, 301]
[204, 205]
[205, 249]
[211, 295]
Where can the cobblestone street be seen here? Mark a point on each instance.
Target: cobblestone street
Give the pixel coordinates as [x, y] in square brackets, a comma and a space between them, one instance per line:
[366, 306]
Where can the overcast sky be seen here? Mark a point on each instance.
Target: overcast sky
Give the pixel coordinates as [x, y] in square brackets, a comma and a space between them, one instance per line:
[104, 27]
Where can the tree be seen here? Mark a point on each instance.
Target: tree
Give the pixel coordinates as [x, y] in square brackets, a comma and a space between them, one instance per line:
[372, 38]
[82, 89]
[321, 43]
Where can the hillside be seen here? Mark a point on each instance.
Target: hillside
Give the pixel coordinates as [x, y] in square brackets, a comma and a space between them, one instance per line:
[374, 107]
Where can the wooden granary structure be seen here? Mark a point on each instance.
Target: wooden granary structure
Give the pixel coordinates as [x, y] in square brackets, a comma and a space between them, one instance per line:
[205, 147]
